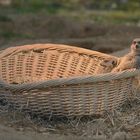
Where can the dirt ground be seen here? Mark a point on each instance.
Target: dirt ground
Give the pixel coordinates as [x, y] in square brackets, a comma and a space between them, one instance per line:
[123, 124]
[40, 28]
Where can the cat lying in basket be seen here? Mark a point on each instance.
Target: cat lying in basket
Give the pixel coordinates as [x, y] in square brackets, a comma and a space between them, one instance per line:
[39, 62]
[53, 79]
[129, 61]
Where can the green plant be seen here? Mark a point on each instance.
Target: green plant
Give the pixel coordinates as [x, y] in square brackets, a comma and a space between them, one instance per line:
[4, 18]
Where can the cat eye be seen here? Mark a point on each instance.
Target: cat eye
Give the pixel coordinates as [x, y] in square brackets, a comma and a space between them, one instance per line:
[137, 46]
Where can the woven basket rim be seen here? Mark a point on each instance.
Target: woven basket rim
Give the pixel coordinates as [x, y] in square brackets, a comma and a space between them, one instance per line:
[71, 80]
[59, 47]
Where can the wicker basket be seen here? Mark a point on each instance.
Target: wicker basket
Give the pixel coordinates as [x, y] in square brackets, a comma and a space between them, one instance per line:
[52, 79]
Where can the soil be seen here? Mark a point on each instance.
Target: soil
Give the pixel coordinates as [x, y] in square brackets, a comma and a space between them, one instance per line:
[41, 28]
[122, 124]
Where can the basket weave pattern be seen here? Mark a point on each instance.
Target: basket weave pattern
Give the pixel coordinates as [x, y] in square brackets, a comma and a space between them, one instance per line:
[57, 79]
[33, 63]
